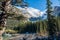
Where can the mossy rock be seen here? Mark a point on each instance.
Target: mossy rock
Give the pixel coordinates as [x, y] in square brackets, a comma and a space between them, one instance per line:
[1, 28]
[10, 31]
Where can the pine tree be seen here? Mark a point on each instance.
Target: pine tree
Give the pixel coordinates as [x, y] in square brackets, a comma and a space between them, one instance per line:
[4, 14]
[51, 24]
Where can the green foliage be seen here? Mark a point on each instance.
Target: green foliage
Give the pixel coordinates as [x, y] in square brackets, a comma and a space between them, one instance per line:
[23, 27]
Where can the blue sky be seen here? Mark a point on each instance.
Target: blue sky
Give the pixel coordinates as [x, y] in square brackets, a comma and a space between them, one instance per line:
[40, 4]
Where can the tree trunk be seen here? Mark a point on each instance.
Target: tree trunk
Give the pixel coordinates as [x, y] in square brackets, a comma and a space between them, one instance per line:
[3, 17]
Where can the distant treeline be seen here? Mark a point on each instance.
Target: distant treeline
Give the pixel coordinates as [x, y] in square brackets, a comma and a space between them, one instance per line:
[30, 27]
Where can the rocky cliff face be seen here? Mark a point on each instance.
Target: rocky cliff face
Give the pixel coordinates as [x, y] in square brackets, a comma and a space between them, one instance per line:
[57, 10]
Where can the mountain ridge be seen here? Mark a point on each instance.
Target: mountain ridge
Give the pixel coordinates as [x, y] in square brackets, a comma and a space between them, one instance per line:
[35, 14]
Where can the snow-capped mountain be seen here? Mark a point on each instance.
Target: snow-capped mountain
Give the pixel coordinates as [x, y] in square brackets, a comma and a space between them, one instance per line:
[35, 14]
[32, 13]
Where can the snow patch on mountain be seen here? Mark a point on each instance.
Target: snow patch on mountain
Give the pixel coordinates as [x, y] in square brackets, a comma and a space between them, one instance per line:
[32, 13]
